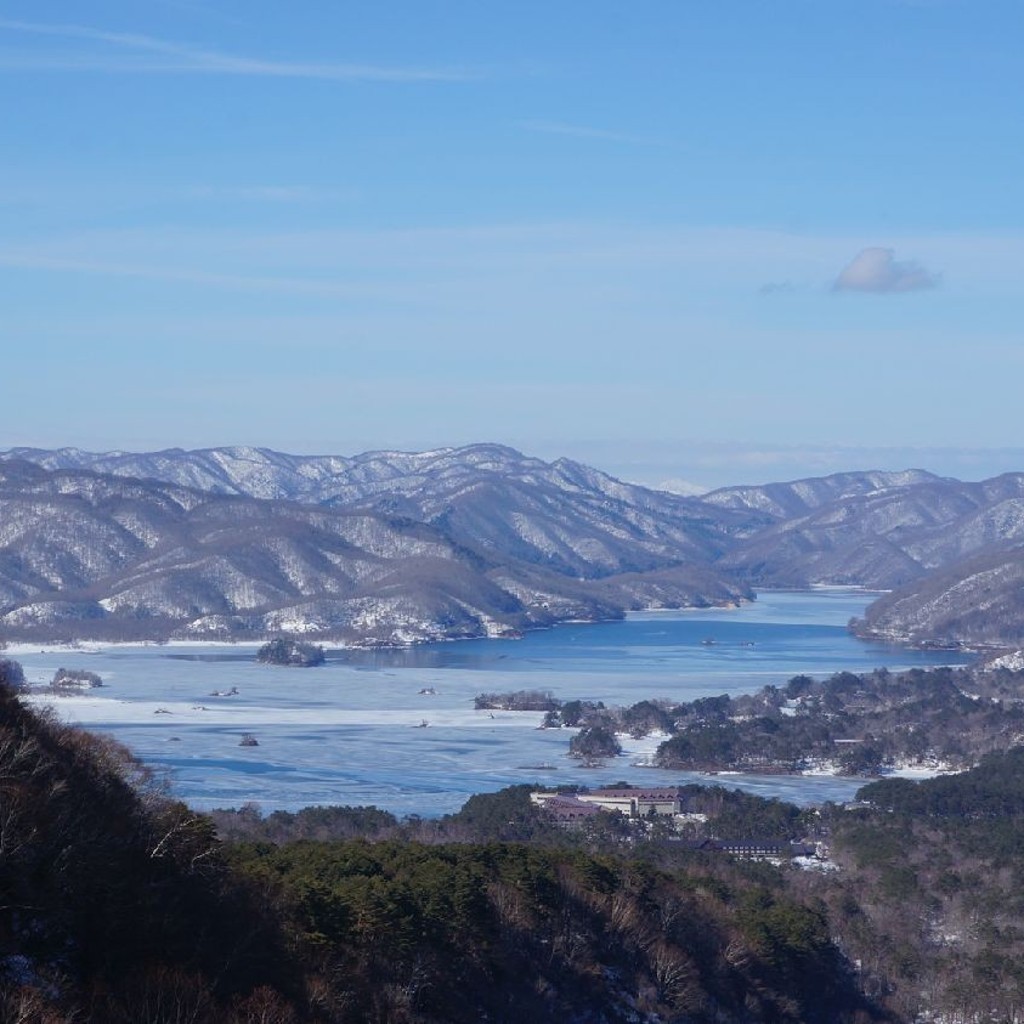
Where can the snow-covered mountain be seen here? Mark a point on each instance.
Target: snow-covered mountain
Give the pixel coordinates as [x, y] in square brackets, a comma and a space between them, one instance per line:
[333, 479]
[395, 546]
[93, 554]
[558, 512]
[883, 537]
[798, 497]
[975, 601]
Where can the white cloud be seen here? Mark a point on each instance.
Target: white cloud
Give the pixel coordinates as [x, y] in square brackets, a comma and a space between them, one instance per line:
[875, 269]
[166, 56]
[650, 268]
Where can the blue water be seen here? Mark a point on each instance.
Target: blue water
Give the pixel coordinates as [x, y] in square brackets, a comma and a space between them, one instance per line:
[783, 632]
[349, 732]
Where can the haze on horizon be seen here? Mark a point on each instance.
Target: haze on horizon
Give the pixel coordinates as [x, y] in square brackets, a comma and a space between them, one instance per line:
[710, 243]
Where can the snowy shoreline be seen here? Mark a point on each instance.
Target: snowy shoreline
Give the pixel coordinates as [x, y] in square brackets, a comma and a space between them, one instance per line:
[351, 731]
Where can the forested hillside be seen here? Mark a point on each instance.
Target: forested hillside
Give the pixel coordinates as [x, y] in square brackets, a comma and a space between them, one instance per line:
[975, 601]
[395, 547]
[931, 877]
[120, 906]
[88, 555]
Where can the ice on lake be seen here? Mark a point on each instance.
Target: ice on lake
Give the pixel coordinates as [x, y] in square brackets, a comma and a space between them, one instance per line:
[358, 730]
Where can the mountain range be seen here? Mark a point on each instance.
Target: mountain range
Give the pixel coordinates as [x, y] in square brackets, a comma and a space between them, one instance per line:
[384, 548]
[394, 547]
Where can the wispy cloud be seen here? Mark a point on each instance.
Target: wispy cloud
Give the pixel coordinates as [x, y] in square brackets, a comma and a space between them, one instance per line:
[579, 131]
[250, 282]
[876, 269]
[144, 53]
[269, 193]
[634, 262]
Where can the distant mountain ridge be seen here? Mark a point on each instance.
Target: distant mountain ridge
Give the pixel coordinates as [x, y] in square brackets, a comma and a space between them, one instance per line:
[488, 543]
[883, 538]
[482, 540]
[951, 552]
[322, 479]
[799, 497]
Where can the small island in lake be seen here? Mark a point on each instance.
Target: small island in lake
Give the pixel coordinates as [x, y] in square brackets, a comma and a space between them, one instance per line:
[870, 724]
[67, 680]
[519, 700]
[290, 652]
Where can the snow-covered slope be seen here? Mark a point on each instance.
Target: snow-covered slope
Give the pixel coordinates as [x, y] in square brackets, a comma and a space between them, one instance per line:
[885, 537]
[569, 517]
[798, 497]
[457, 541]
[975, 601]
[84, 554]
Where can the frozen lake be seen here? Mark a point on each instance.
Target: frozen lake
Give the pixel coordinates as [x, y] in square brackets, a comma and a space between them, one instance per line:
[349, 732]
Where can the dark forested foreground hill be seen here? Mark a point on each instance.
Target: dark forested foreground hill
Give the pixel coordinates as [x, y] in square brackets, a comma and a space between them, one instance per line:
[922, 898]
[393, 547]
[934, 876]
[119, 906]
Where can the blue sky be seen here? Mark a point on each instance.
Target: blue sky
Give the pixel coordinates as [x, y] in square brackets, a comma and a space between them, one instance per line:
[710, 242]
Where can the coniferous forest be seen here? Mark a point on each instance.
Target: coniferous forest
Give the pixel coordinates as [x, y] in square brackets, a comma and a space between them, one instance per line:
[121, 905]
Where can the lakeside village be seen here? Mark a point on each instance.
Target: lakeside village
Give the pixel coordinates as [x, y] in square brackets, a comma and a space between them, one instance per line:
[671, 806]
